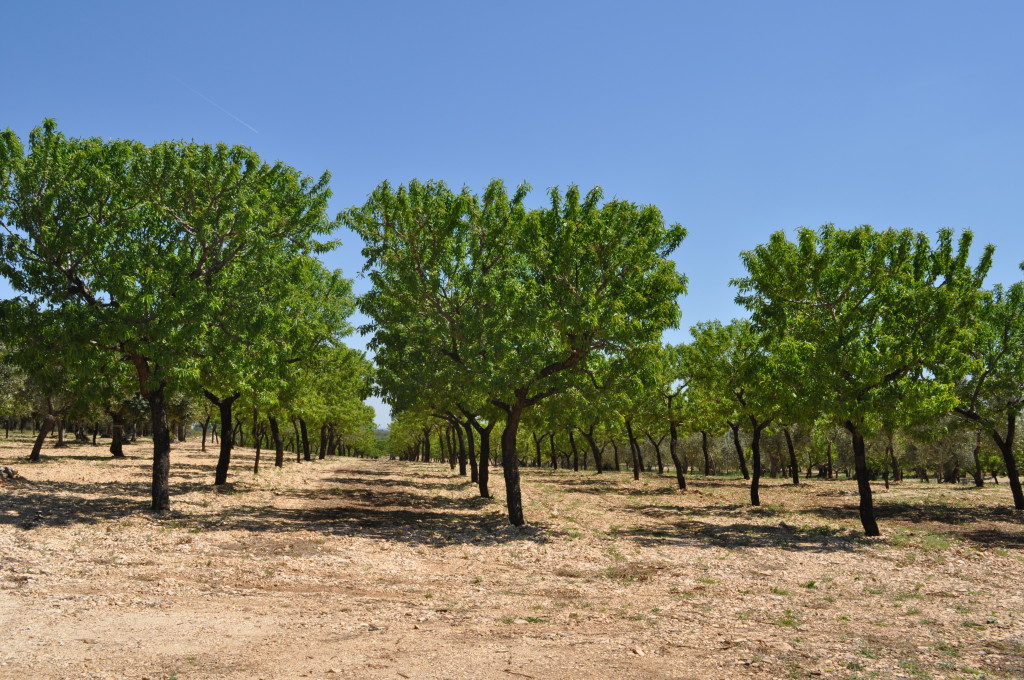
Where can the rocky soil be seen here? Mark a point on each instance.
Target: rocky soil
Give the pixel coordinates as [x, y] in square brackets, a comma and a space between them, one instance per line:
[352, 568]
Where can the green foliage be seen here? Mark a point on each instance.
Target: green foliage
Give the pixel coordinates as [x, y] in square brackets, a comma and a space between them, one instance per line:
[146, 253]
[858, 315]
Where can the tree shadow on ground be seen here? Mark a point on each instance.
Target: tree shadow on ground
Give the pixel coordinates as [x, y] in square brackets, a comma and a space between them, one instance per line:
[691, 533]
[34, 505]
[916, 512]
[385, 511]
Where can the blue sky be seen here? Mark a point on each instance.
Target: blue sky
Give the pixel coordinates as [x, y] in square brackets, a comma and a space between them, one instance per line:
[735, 118]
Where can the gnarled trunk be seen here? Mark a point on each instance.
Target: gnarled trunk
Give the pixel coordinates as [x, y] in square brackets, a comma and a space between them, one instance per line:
[44, 430]
[474, 474]
[575, 453]
[673, 450]
[275, 433]
[793, 469]
[1005, 445]
[735, 427]
[708, 467]
[634, 450]
[755, 459]
[656, 443]
[161, 495]
[224, 406]
[510, 463]
[116, 434]
[867, 509]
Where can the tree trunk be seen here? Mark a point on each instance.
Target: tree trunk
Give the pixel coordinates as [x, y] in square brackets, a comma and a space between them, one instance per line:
[322, 454]
[634, 450]
[332, 442]
[673, 451]
[449, 440]
[44, 430]
[979, 480]
[1006, 448]
[206, 425]
[755, 459]
[275, 433]
[897, 471]
[594, 449]
[457, 435]
[615, 448]
[474, 473]
[117, 434]
[485, 457]
[60, 434]
[257, 435]
[793, 468]
[306, 454]
[510, 463]
[426, 445]
[867, 510]
[657, 451]
[707, 454]
[161, 449]
[224, 406]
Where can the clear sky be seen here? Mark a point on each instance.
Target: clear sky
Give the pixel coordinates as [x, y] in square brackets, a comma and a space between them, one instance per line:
[735, 118]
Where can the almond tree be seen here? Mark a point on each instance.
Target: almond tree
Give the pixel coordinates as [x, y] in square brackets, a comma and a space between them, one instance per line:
[856, 316]
[515, 300]
[732, 362]
[151, 243]
[991, 386]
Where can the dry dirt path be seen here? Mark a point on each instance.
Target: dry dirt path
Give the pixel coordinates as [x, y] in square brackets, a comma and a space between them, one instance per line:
[378, 569]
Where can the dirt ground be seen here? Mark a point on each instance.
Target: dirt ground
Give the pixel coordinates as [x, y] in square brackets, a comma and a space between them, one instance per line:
[374, 569]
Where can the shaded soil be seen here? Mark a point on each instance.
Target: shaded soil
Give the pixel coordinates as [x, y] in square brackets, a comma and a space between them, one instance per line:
[379, 569]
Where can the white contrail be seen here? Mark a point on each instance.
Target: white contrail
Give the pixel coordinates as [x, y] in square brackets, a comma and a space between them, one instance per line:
[184, 84]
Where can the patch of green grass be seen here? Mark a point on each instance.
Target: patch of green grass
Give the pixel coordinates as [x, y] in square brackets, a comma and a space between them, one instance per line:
[914, 594]
[972, 624]
[535, 619]
[947, 649]
[915, 670]
[811, 585]
[934, 543]
[779, 591]
[706, 579]
[868, 653]
[788, 618]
